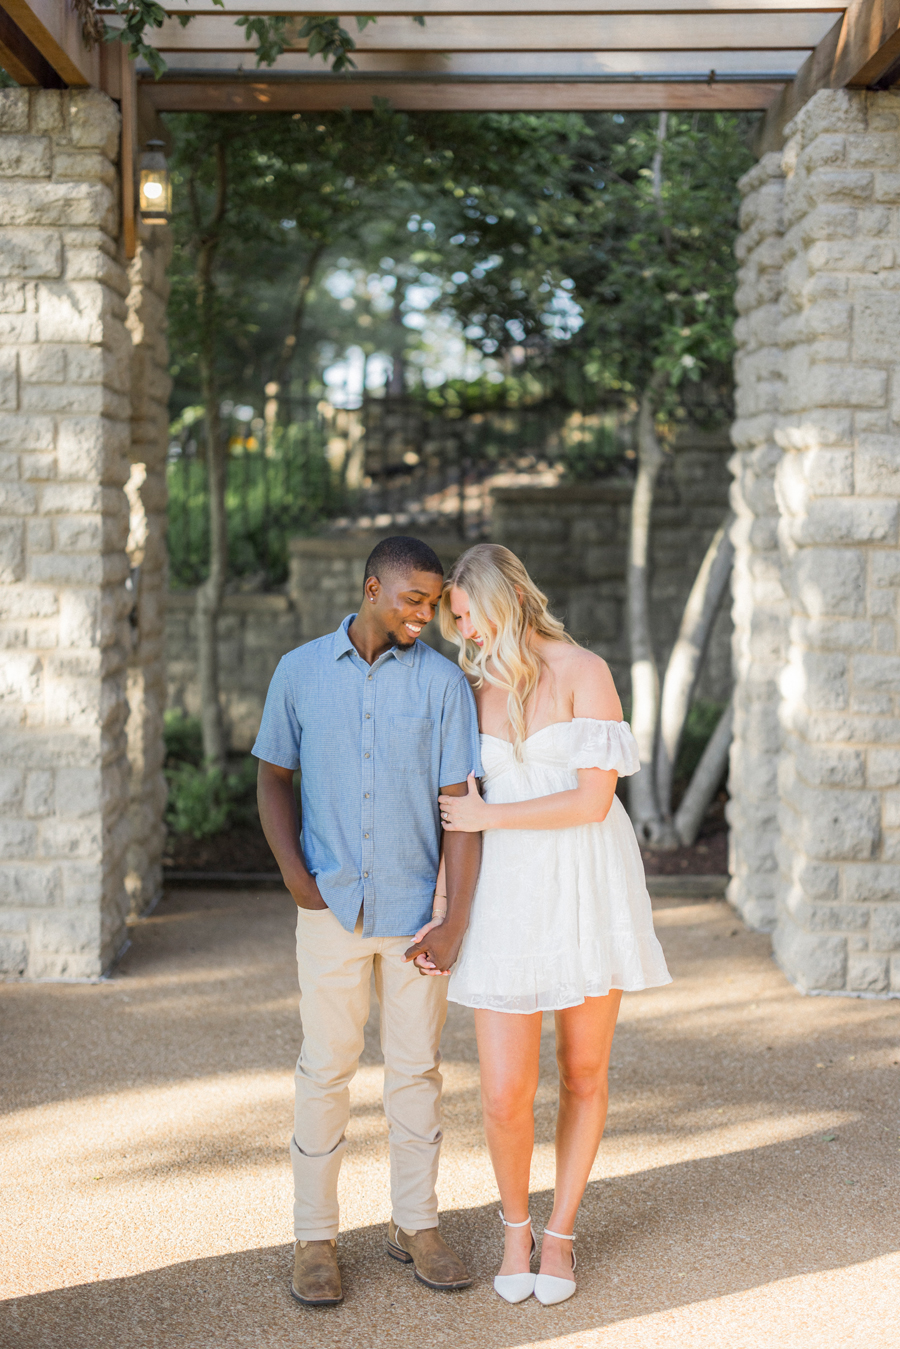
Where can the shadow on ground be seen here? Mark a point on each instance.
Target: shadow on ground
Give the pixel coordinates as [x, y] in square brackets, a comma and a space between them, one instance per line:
[719, 1226]
[753, 1138]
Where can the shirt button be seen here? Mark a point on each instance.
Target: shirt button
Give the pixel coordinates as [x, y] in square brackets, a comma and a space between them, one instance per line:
[365, 873]
[365, 835]
[368, 676]
[368, 716]
[367, 796]
[367, 756]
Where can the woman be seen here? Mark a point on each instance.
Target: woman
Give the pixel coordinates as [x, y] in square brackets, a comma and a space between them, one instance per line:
[561, 917]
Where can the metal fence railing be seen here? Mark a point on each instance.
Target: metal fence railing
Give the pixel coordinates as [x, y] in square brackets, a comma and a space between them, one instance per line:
[391, 461]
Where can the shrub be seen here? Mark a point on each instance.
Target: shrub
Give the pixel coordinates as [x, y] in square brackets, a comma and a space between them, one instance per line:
[183, 738]
[202, 801]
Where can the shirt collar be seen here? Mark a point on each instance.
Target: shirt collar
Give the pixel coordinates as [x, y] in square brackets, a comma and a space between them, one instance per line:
[343, 645]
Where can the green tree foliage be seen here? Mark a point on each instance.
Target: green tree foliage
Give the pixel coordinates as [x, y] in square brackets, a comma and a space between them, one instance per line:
[639, 233]
[306, 189]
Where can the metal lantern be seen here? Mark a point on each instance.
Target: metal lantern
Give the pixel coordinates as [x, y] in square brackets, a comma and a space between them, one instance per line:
[155, 185]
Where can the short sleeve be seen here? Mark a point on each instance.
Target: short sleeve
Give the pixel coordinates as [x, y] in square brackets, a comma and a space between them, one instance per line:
[278, 741]
[603, 744]
[460, 741]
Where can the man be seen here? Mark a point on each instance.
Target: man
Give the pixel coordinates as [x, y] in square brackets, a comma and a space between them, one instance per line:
[379, 724]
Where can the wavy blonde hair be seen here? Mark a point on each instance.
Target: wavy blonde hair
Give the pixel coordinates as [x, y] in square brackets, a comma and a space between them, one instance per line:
[501, 593]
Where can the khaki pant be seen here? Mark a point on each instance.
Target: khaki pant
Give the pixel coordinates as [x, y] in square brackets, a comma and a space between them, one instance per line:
[335, 968]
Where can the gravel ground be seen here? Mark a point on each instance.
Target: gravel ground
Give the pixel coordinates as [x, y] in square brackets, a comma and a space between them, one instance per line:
[745, 1196]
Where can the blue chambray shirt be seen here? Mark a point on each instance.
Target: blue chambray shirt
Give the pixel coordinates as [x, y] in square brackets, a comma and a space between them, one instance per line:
[375, 744]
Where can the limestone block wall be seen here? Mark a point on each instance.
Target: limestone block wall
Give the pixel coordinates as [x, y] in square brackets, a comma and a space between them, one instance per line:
[760, 605]
[817, 481]
[838, 485]
[64, 446]
[146, 491]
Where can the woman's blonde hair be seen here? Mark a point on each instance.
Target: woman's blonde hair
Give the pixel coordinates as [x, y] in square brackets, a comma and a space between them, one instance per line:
[501, 593]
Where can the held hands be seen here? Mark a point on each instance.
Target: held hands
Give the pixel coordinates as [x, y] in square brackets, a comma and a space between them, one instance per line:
[465, 814]
[436, 951]
[422, 962]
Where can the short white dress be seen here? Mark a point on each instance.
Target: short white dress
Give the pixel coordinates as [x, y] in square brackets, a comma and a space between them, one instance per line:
[558, 915]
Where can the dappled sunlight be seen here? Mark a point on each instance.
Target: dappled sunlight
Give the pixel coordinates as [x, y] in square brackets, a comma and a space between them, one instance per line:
[751, 1145]
[861, 1304]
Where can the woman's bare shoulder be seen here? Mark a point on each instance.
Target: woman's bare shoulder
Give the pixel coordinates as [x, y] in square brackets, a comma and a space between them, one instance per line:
[592, 686]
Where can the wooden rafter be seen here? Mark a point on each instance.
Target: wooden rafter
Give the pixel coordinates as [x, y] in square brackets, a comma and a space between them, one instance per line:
[857, 53]
[498, 36]
[260, 95]
[480, 54]
[54, 29]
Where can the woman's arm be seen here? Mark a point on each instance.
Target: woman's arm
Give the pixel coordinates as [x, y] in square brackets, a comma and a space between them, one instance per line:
[593, 695]
[588, 803]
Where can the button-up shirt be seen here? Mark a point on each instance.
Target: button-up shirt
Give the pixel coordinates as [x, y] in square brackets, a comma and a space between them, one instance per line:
[374, 744]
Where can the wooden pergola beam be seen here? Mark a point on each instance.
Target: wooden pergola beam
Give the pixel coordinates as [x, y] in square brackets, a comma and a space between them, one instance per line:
[433, 9]
[21, 59]
[506, 8]
[54, 29]
[496, 35]
[857, 53]
[193, 94]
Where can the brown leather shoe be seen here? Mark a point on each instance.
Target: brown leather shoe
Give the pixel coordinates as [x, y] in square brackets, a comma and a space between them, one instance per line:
[317, 1279]
[435, 1264]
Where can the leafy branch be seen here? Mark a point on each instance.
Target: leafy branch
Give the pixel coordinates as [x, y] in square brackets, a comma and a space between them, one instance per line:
[325, 36]
[328, 39]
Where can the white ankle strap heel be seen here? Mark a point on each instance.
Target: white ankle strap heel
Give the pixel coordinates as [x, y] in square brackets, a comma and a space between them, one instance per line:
[547, 1288]
[516, 1287]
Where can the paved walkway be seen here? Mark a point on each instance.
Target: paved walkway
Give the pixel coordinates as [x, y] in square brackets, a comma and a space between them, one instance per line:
[745, 1197]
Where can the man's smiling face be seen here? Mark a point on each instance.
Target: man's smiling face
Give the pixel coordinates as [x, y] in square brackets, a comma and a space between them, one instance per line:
[403, 603]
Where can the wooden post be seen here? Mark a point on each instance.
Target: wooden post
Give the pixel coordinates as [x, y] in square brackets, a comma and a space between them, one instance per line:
[129, 109]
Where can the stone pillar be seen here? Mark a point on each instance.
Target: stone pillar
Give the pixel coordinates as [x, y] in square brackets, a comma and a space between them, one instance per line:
[838, 481]
[759, 604]
[65, 356]
[146, 492]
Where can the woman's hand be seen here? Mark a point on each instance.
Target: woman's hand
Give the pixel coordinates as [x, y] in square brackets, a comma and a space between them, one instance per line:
[467, 814]
[422, 963]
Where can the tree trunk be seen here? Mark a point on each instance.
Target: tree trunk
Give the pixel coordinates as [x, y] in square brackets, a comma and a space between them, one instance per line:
[687, 655]
[396, 384]
[282, 375]
[705, 782]
[644, 678]
[210, 593]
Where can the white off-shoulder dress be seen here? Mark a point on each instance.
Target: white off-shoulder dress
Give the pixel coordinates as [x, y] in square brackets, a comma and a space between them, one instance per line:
[559, 915]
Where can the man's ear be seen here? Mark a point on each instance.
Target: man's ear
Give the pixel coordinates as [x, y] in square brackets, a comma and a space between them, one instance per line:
[372, 589]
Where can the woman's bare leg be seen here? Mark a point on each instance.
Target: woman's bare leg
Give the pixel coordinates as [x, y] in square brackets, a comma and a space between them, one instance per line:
[509, 1048]
[583, 1042]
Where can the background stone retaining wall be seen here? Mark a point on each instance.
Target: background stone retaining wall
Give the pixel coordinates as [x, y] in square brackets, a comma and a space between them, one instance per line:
[573, 539]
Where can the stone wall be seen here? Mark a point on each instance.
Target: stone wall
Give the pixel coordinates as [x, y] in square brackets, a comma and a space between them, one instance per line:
[574, 540]
[834, 416]
[83, 390]
[64, 444]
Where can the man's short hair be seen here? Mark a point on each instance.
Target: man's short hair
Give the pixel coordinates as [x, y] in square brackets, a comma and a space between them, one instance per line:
[401, 553]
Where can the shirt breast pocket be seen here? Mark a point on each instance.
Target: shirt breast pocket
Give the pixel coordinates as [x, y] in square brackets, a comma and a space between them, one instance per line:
[410, 743]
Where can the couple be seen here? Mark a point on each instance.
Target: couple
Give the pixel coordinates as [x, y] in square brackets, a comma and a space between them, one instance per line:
[532, 896]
